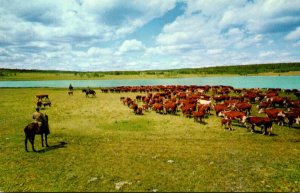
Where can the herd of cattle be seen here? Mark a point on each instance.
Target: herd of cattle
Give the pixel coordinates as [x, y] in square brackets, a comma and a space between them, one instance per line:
[277, 106]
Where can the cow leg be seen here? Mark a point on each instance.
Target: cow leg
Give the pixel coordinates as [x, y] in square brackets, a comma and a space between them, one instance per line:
[269, 130]
[252, 128]
[42, 140]
[263, 129]
[46, 140]
[26, 139]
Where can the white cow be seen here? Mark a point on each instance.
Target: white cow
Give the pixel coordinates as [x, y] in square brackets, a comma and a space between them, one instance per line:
[204, 102]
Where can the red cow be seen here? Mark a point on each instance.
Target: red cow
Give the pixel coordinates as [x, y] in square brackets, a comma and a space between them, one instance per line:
[135, 107]
[264, 122]
[139, 111]
[293, 117]
[276, 115]
[243, 106]
[227, 123]
[186, 111]
[263, 105]
[220, 107]
[145, 107]
[235, 115]
[205, 108]
[277, 100]
[198, 115]
[158, 107]
[170, 107]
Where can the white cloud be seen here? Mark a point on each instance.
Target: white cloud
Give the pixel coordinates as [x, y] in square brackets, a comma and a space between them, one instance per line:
[99, 35]
[214, 51]
[94, 51]
[266, 54]
[294, 34]
[131, 45]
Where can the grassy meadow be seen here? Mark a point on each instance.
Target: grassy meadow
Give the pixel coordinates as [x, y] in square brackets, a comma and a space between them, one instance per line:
[98, 144]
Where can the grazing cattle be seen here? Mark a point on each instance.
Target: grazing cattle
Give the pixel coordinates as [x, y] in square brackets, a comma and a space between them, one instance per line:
[235, 115]
[297, 94]
[104, 90]
[139, 111]
[292, 117]
[186, 111]
[276, 115]
[276, 100]
[158, 107]
[138, 98]
[205, 108]
[293, 103]
[70, 93]
[89, 92]
[135, 107]
[128, 101]
[204, 102]
[227, 123]
[220, 107]
[264, 122]
[263, 105]
[145, 107]
[220, 98]
[198, 116]
[170, 107]
[33, 129]
[244, 107]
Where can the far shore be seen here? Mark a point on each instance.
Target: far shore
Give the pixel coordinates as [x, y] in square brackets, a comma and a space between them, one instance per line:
[71, 76]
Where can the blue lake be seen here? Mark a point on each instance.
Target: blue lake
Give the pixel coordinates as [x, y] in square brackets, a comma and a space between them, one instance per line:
[285, 82]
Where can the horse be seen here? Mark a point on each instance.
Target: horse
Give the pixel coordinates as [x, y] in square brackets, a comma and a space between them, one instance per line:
[89, 91]
[33, 129]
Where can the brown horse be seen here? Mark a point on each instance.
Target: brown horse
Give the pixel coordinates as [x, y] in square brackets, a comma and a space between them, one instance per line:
[89, 91]
[33, 129]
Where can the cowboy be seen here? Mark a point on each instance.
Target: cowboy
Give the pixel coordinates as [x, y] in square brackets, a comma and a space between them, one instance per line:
[38, 117]
[70, 87]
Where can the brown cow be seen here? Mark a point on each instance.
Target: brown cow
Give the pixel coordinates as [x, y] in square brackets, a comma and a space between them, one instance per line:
[264, 122]
[292, 117]
[276, 115]
[198, 116]
[139, 111]
[158, 107]
[227, 123]
[235, 115]
[243, 106]
[220, 107]
[170, 107]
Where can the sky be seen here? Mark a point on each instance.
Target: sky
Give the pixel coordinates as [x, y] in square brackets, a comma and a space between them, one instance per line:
[110, 35]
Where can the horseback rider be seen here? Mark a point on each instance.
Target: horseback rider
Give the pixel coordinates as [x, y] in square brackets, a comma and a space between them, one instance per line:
[38, 117]
[70, 87]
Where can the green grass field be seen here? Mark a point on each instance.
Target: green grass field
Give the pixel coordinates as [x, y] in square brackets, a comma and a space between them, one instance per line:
[98, 144]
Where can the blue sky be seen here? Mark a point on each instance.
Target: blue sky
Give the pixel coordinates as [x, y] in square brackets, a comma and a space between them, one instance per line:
[107, 35]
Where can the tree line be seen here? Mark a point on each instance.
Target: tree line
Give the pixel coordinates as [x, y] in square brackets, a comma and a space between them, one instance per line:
[235, 69]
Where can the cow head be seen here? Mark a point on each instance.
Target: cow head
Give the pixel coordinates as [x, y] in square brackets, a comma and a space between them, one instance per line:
[281, 114]
[298, 120]
[244, 118]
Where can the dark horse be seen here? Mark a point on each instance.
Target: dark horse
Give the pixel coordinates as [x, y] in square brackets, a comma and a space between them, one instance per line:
[89, 91]
[33, 129]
